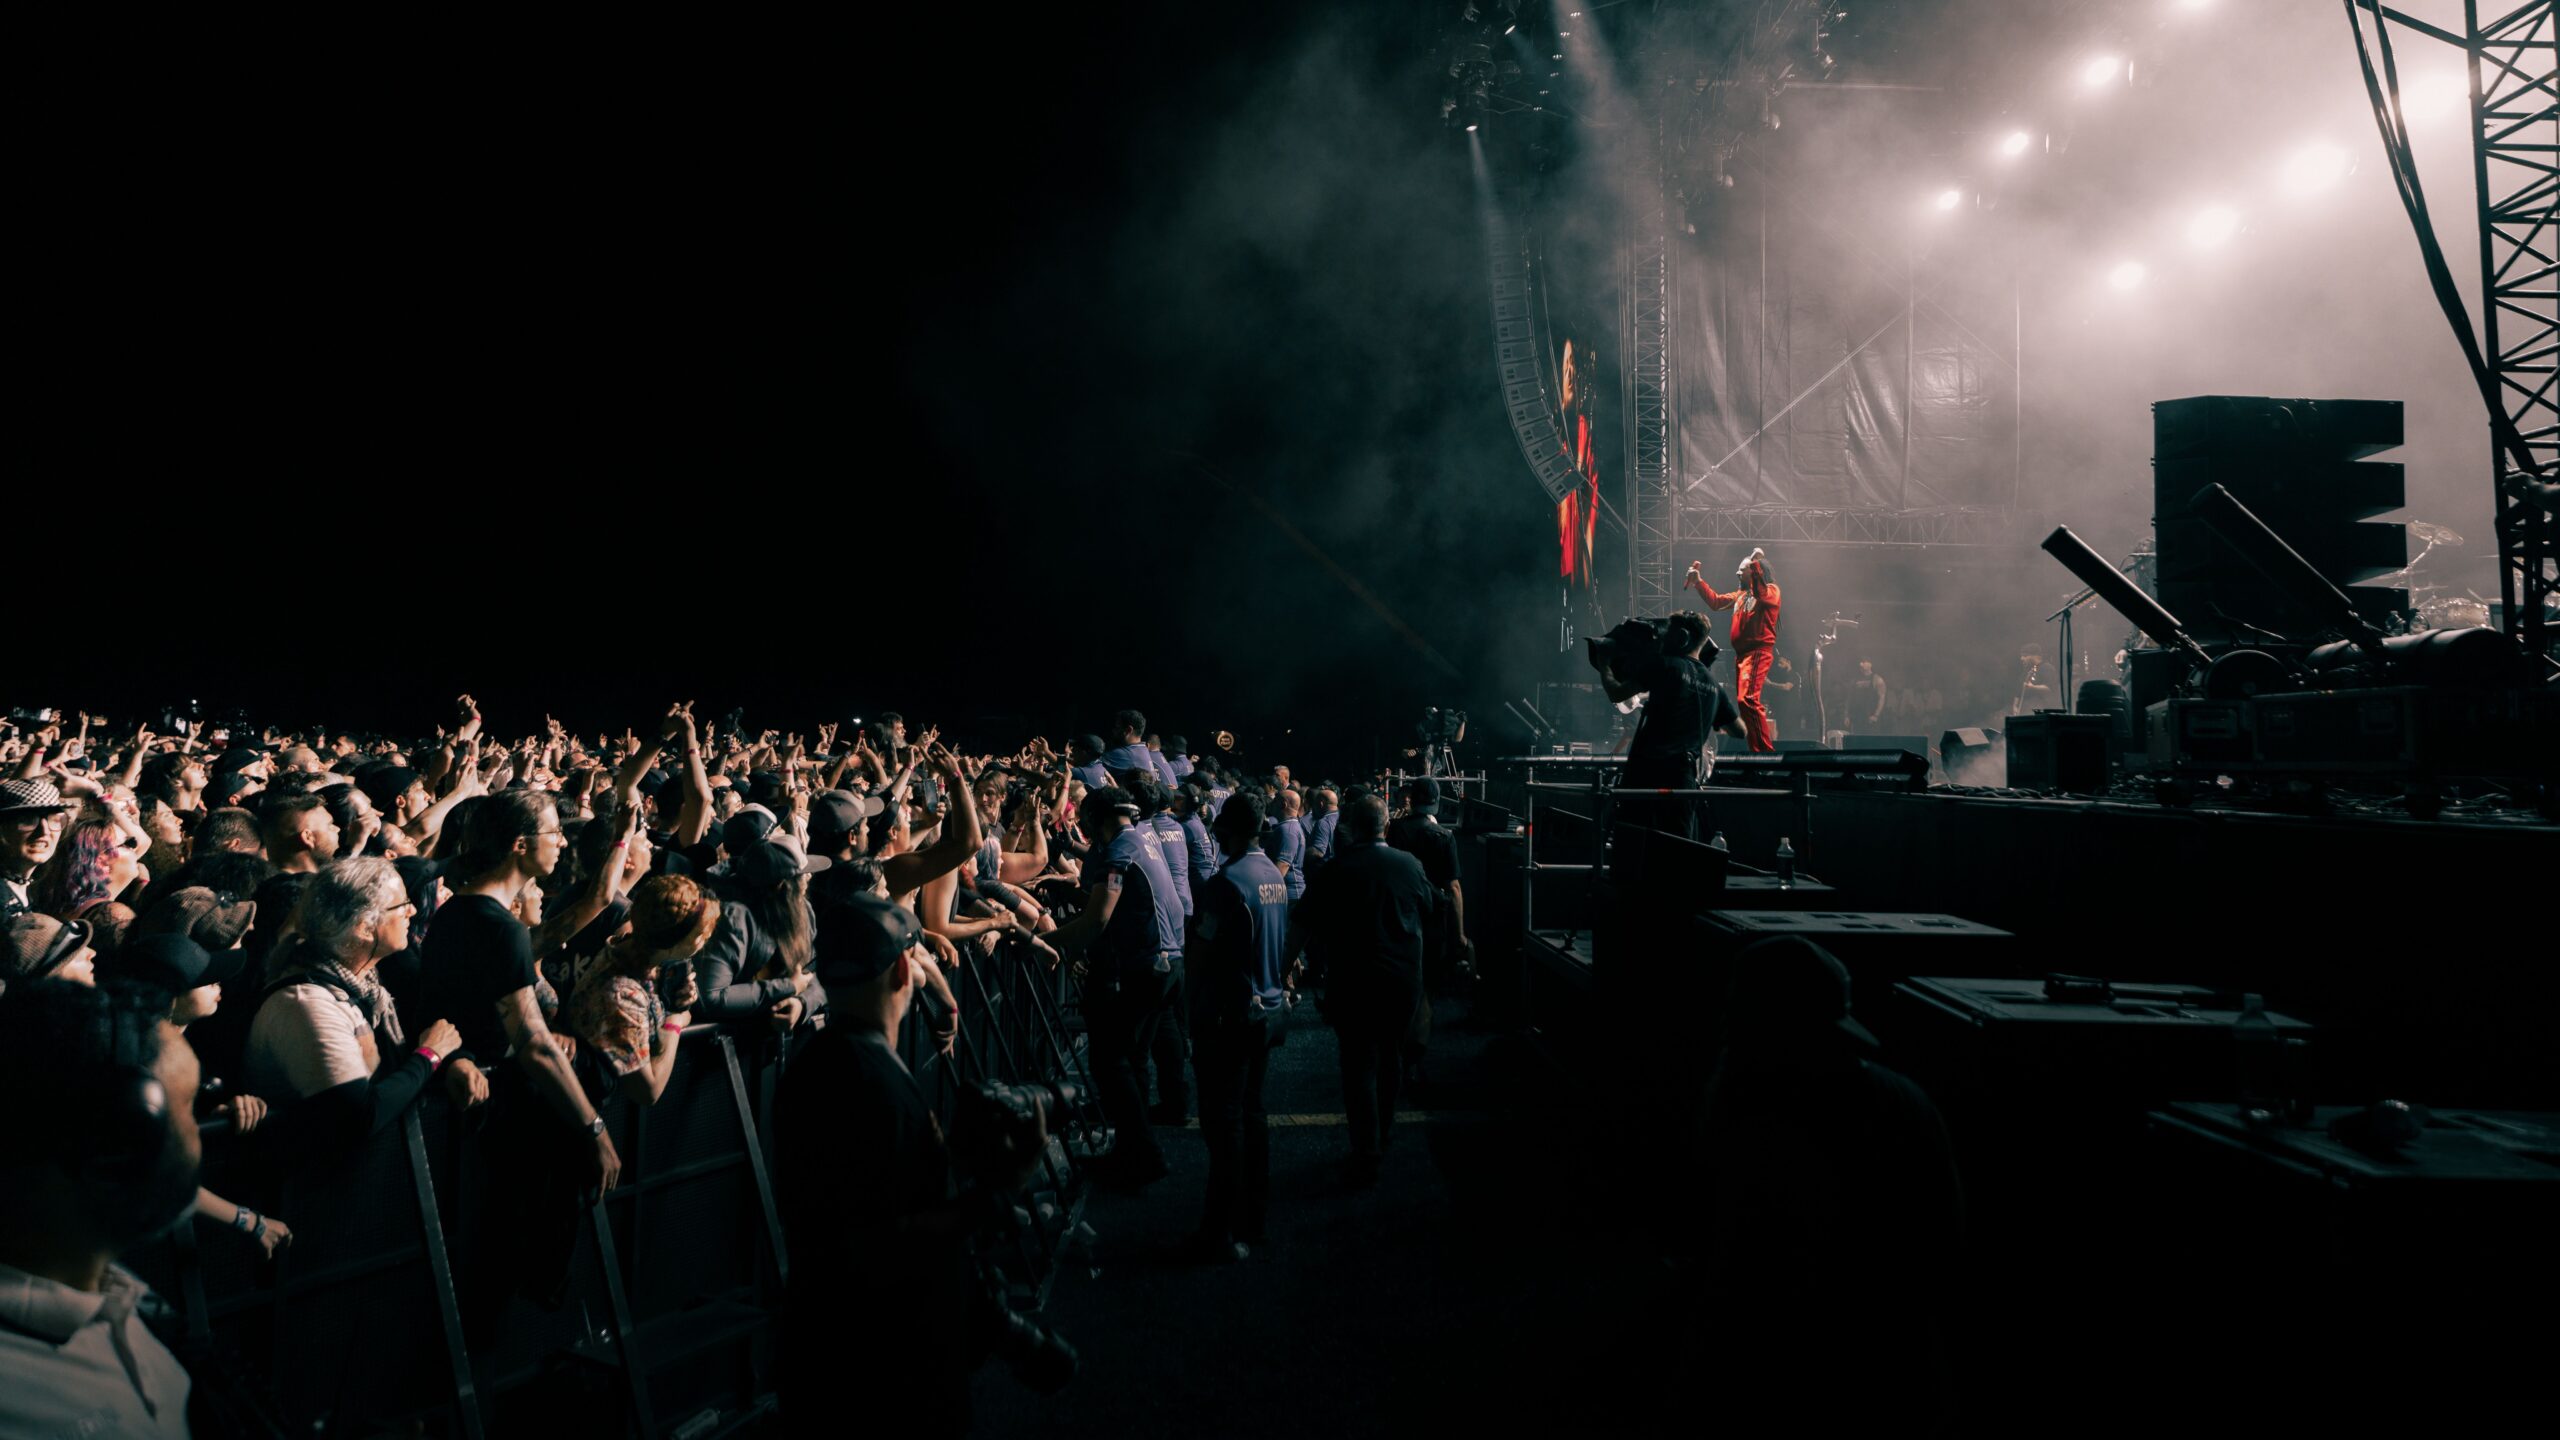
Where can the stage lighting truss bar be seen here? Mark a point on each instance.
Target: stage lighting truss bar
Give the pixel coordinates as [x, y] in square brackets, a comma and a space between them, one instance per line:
[1806, 525]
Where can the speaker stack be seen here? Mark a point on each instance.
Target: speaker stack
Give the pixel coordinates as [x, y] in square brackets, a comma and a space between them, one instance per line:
[2300, 464]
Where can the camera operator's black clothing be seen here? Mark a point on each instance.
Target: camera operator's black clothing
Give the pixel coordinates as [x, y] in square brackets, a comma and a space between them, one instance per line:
[1364, 919]
[879, 1303]
[1683, 710]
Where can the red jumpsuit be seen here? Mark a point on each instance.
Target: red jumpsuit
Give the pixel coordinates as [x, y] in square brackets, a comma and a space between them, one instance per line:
[1755, 644]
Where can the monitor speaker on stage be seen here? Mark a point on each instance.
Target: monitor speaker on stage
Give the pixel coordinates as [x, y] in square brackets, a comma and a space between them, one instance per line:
[1972, 755]
[1915, 744]
[1787, 747]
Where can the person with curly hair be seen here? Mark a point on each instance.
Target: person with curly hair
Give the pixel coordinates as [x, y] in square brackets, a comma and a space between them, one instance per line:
[97, 863]
[620, 1010]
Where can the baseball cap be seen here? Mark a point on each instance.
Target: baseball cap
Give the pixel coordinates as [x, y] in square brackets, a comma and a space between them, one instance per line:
[767, 787]
[33, 946]
[1787, 987]
[860, 937]
[199, 914]
[771, 862]
[1426, 794]
[1109, 797]
[747, 829]
[174, 963]
[835, 814]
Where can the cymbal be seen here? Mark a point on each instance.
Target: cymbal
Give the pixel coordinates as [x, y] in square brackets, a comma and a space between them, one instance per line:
[2423, 589]
[2433, 534]
[1839, 619]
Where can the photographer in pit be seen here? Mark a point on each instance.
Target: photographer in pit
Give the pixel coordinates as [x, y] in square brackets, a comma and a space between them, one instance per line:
[1666, 662]
[888, 1313]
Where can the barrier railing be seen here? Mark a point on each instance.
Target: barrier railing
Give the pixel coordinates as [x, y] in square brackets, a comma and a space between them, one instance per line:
[355, 1326]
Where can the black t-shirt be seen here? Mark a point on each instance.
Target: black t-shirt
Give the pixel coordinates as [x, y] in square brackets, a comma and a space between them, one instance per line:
[1682, 712]
[1429, 841]
[477, 954]
[1366, 917]
[856, 1149]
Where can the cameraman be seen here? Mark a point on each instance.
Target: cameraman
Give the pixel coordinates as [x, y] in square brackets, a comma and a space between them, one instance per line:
[1683, 712]
[880, 1305]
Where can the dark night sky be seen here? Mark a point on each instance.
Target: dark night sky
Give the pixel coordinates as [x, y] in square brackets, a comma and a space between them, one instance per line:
[828, 370]
[814, 373]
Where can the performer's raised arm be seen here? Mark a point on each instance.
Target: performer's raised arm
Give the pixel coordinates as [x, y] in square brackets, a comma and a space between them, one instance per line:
[1716, 599]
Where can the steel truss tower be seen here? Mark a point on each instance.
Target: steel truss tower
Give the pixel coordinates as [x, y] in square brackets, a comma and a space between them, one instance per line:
[1652, 420]
[2515, 171]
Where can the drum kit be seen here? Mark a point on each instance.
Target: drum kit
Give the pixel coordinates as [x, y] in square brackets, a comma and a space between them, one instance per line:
[2435, 610]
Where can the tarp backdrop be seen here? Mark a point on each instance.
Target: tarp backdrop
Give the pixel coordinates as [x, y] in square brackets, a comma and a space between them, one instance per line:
[1836, 349]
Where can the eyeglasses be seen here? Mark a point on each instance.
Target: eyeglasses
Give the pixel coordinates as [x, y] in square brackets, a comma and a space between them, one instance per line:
[405, 907]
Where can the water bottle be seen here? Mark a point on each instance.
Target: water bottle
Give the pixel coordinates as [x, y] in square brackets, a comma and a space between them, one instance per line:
[1718, 843]
[2259, 1049]
[1786, 864]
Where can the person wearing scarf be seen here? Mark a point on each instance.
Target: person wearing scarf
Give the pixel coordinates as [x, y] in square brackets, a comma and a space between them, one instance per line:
[326, 1047]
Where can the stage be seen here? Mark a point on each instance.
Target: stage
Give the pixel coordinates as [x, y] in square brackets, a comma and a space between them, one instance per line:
[2420, 948]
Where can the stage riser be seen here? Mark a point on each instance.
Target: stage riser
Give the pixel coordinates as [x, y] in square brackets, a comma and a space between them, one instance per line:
[2401, 940]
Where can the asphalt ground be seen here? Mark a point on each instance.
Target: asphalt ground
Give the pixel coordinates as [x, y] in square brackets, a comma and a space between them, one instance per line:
[1480, 1281]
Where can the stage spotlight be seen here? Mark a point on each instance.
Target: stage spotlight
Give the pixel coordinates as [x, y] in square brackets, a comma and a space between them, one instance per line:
[2212, 225]
[1471, 129]
[1950, 199]
[2127, 275]
[2101, 71]
[2192, 5]
[2017, 143]
[2315, 167]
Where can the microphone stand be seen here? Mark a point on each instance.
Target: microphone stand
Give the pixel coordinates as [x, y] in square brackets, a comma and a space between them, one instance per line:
[2064, 615]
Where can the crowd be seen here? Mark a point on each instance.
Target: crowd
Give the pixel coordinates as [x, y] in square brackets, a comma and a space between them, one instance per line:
[304, 933]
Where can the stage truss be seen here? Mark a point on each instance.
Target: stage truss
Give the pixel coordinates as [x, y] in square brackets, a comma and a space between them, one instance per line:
[2515, 106]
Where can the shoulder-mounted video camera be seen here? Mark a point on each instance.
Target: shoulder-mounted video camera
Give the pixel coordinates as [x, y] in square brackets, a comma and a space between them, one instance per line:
[1634, 644]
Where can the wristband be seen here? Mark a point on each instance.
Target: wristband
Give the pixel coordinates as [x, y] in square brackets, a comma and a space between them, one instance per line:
[670, 1027]
[435, 1061]
[244, 1219]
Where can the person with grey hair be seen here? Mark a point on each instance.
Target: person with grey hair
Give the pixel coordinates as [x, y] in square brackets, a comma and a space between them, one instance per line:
[326, 1046]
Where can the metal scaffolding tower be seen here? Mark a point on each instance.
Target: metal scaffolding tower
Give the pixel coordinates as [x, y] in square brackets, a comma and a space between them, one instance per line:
[2515, 107]
[1652, 420]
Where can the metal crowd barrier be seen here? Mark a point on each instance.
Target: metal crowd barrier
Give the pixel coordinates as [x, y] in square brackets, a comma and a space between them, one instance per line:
[679, 1272]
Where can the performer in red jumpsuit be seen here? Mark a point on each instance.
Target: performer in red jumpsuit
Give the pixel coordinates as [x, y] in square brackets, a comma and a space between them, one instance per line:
[1755, 640]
